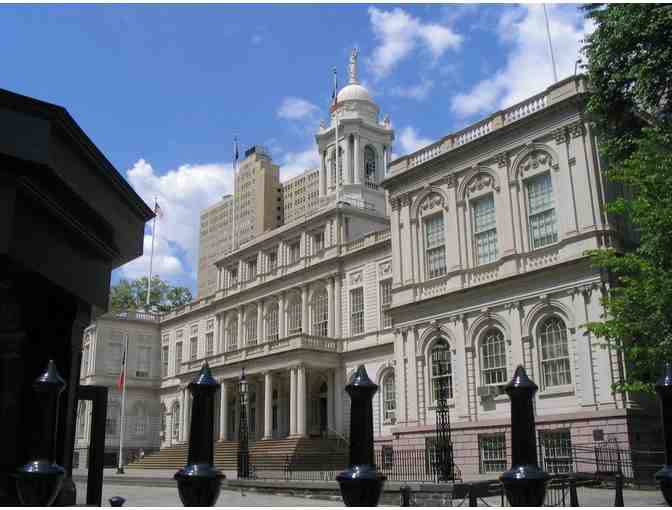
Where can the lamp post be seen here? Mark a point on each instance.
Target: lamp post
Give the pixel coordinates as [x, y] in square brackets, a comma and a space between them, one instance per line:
[243, 451]
[444, 445]
[664, 390]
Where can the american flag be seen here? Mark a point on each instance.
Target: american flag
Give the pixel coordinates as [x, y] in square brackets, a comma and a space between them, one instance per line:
[157, 210]
[120, 379]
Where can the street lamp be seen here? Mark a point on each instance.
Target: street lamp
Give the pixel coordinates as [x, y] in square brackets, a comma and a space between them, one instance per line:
[444, 445]
[243, 451]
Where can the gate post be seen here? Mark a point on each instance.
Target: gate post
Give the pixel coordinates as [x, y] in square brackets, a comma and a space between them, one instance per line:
[524, 483]
[664, 390]
[199, 483]
[361, 484]
[38, 481]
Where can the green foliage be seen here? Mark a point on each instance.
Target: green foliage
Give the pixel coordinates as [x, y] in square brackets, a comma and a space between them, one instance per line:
[629, 57]
[132, 295]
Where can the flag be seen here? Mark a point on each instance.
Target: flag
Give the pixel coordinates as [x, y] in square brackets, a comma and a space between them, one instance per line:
[157, 210]
[120, 379]
[235, 151]
[334, 94]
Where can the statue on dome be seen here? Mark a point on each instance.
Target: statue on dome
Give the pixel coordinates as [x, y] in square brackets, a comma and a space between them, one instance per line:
[353, 65]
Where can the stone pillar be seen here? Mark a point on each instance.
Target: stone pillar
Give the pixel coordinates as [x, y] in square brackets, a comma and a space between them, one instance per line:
[241, 342]
[397, 263]
[337, 306]
[281, 315]
[301, 397]
[292, 401]
[305, 327]
[357, 172]
[339, 388]
[453, 228]
[322, 176]
[219, 344]
[183, 417]
[224, 410]
[412, 376]
[330, 403]
[330, 307]
[347, 169]
[260, 321]
[406, 242]
[268, 405]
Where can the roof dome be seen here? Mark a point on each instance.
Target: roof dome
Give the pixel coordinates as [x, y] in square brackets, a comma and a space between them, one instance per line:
[354, 92]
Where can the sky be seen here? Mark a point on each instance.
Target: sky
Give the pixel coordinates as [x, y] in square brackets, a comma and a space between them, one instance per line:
[162, 90]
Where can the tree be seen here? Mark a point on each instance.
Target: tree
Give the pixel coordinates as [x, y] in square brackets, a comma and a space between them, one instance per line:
[132, 295]
[629, 57]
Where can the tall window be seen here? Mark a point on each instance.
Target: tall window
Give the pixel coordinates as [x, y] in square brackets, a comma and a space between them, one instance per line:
[232, 334]
[541, 210]
[320, 312]
[555, 366]
[493, 358]
[294, 316]
[485, 229]
[318, 242]
[442, 369]
[81, 419]
[115, 348]
[556, 450]
[272, 322]
[209, 343]
[193, 348]
[144, 361]
[492, 452]
[294, 249]
[370, 164]
[85, 361]
[357, 311]
[272, 260]
[140, 420]
[164, 361]
[252, 269]
[233, 277]
[176, 420]
[385, 302]
[435, 247]
[389, 398]
[251, 327]
[332, 165]
[178, 357]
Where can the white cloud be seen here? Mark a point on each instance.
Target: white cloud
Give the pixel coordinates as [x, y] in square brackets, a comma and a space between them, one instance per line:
[257, 39]
[182, 194]
[294, 163]
[295, 108]
[399, 34]
[418, 92]
[527, 69]
[410, 141]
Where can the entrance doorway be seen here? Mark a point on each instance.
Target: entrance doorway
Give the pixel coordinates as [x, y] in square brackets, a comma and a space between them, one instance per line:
[323, 409]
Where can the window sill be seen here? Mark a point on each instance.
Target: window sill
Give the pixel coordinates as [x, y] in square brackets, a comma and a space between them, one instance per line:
[557, 391]
[433, 406]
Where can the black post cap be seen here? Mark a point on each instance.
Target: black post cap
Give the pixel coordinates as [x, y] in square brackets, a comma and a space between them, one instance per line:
[520, 381]
[50, 378]
[204, 378]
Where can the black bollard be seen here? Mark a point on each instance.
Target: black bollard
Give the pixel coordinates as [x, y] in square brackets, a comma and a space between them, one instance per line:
[117, 501]
[39, 481]
[524, 483]
[361, 484]
[618, 483]
[573, 495]
[664, 390]
[405, 493]
[199, 483]
[473, 500]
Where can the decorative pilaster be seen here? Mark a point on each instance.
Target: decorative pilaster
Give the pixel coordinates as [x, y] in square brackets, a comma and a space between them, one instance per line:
[223, 410]
[268, 405]
[292, 401]
[301, 400]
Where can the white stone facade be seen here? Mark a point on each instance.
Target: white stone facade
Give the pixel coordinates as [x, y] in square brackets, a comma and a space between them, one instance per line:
[468, 255]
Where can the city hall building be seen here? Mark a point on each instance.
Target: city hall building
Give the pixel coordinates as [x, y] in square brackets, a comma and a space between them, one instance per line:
[458, 262]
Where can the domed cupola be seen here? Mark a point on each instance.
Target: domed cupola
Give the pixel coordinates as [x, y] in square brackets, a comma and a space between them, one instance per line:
[353, 100]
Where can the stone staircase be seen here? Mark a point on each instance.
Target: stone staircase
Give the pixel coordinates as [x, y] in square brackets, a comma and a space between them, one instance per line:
[269, 458]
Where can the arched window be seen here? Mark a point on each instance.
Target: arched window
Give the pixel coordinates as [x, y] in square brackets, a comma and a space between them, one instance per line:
[493, 358]
[389, 398]
[435, 249]
[176, 420]
[320, 313]
[272, 322]
[251, 326]
[294, 315]
[485, 229]
[555, 367]
[542, 220]
[333, 167]
[370, 164]
[232, 333]
[442, 369]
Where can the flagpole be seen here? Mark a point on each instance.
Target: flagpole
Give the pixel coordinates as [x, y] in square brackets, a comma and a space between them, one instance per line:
[151, 256]
[550, 45]
[336, 147]
[120, 466]
[235, 176]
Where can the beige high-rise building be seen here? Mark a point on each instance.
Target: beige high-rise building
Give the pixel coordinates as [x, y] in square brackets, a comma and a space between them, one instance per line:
[300, 195]
[258, 201]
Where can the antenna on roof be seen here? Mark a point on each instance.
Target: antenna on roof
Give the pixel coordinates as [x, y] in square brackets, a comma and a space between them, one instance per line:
[550, 45]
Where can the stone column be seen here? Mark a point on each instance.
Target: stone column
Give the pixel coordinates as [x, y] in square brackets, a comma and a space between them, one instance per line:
[292, 401]
[337, 306]
[281, 315]
[183, 416]
[219, 344]
[406, 242]
[330, 403]
[330, 307]
[301, 397]
[305, 327]
[224, 410]
[397, 264]
[268, 405]
[260, 321]
[412, 376]
[357, 172]
[322, 179]
[241, 342]
[347, 169]
[339, 388]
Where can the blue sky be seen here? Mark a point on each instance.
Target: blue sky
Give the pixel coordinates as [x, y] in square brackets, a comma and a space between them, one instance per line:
[163, 89]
